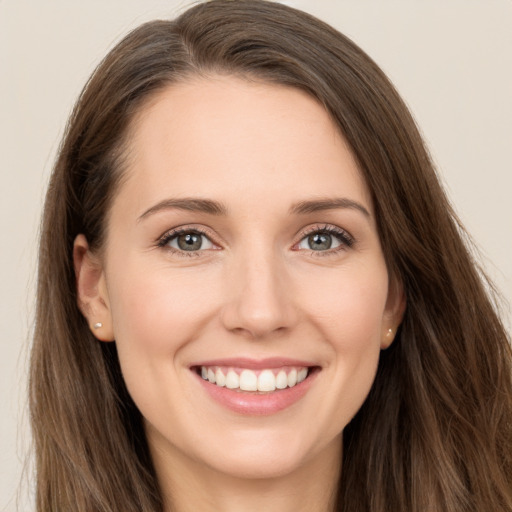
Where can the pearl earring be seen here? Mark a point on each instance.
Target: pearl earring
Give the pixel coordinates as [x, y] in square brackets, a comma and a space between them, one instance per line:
[389, 333]
[98, 325]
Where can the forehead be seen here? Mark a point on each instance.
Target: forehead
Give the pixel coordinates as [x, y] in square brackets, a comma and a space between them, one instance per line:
[237, 140]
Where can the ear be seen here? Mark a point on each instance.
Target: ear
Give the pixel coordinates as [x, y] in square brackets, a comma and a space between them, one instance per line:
[394, 312]
[92, 291]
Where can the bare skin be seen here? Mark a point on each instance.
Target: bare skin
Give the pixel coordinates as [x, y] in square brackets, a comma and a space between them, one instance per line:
[243, 230]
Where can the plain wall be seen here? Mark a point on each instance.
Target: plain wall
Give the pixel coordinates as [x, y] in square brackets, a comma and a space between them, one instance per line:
[450, 59]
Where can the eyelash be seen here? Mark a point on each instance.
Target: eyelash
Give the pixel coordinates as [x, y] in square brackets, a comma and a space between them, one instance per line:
[346, 240]
[170, 235]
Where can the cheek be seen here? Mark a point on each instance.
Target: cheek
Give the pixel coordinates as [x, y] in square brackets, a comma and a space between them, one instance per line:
[157, 311]
[155, 316]
[348, 311]
[348, 305]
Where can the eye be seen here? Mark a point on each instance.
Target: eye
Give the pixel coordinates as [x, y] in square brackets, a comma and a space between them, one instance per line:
[326, 239]
[189, 241]
[319, 242]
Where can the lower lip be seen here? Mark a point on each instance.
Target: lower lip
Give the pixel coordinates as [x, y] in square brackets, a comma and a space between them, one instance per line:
[254, 404]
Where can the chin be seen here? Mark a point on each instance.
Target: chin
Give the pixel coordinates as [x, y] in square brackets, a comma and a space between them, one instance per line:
[266, 453]
[260, 466]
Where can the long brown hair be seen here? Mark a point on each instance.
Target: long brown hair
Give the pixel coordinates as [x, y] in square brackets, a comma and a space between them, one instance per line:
[435, 433]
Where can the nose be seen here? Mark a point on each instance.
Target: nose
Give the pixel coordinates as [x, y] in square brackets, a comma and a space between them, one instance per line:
[259, 297]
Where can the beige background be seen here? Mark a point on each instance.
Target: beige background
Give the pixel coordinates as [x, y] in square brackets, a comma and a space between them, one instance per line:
[450, 59]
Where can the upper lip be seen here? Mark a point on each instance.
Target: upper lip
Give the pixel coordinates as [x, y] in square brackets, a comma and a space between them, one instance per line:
[255, 364]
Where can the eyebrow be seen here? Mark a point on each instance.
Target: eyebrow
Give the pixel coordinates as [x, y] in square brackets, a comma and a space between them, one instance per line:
[216, 208]
[187, 204]
[317, 205]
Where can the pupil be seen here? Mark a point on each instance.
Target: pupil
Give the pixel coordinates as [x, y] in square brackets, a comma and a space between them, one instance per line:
[320, 241]
[189, 242]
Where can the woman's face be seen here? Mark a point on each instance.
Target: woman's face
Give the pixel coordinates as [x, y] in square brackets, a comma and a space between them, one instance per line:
[242, 248]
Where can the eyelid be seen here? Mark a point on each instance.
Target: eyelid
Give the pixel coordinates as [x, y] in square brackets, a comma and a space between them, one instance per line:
[346, 239]
[163, 240]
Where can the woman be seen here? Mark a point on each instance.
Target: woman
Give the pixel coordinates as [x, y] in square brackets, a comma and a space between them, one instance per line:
[253, 294]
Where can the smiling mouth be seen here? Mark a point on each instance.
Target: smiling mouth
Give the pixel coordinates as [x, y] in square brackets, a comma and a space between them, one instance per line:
[266, 381]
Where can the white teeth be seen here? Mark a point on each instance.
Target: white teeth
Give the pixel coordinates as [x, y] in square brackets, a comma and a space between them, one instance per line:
[292, 378]
[281, 380]
[265, 381]
[232, 380]
[248, 381]
[220, 379]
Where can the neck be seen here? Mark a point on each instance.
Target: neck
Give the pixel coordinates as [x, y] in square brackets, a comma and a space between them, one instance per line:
[188, 486]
